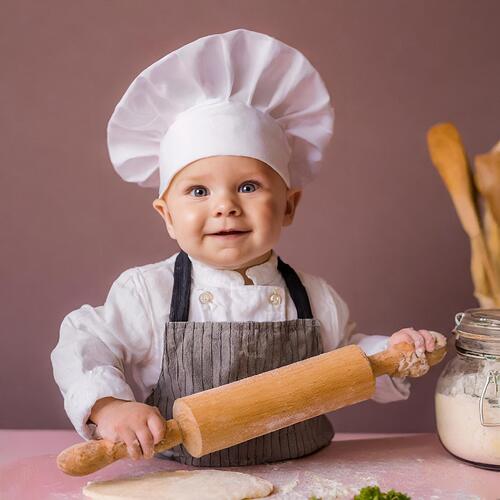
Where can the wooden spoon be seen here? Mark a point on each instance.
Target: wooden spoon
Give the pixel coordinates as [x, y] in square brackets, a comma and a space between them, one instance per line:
[487, 178]
[448, 155]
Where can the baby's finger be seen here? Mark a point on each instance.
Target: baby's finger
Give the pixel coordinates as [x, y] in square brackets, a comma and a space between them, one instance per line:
[430, 341]
[400, 336]
[133, 445]
[419, 342]
[146, 440]
[439, 338]
[101, 433]
[156, 425]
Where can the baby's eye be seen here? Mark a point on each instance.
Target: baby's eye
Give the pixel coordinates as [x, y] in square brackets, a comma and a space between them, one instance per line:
[248, 187]
[199, 191]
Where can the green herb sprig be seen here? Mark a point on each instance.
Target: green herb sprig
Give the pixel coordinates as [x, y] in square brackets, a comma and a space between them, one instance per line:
[374, 493]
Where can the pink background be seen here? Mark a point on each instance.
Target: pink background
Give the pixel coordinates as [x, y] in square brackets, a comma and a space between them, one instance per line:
[378, 225]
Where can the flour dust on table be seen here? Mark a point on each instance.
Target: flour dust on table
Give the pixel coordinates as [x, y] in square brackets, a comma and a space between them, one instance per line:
[181, 485]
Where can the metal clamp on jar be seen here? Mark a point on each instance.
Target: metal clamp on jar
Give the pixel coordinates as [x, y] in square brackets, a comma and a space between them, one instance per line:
[468, 391]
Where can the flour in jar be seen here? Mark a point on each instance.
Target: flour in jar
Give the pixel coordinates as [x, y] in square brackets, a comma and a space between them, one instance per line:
[458, 420]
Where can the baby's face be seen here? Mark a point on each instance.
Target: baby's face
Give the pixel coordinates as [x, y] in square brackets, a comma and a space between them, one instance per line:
[235, 193]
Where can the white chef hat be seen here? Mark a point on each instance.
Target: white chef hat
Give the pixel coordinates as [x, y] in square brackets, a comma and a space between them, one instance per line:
[237, 93]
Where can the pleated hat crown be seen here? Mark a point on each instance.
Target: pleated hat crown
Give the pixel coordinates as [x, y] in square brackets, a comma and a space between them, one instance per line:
[237, 93]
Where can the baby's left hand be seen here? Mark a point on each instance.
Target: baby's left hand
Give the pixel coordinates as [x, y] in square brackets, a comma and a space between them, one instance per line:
[422, 340]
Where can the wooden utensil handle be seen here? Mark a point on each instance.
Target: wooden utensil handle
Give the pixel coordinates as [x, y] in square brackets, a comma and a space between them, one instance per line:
[387, 362]
[90, 456]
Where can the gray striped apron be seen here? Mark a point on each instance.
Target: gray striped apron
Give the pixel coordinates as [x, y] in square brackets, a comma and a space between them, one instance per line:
[201, 355]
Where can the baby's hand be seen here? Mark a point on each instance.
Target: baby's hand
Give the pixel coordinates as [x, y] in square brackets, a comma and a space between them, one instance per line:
[415, 363]
[138, 425]
[422, 340]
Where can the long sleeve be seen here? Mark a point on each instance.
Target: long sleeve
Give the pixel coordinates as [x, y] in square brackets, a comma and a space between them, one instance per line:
[387, 389]
[95, 346]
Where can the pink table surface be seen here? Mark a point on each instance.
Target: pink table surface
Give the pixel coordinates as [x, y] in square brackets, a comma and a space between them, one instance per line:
[413, 463]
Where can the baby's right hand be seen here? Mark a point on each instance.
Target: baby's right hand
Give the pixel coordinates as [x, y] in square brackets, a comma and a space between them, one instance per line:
[138, 425]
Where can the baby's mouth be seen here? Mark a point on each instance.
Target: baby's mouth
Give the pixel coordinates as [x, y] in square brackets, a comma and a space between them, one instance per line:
[233, 233]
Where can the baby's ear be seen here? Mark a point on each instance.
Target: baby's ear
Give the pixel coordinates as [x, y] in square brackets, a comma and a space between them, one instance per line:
[292, 200]
[161, 207]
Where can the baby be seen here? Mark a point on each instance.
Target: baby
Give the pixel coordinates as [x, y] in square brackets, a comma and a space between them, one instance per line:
[230, 127]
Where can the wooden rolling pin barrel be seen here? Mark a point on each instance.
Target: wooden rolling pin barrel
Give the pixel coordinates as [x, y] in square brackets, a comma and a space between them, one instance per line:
[230, 414]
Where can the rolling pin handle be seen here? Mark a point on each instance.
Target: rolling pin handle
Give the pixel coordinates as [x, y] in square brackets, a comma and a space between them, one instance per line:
[91, 456]
[172, 436]
[386, 362]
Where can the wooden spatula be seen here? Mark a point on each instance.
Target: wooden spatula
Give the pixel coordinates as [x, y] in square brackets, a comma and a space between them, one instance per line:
[448, 155]
[230, 414]
[487, 179]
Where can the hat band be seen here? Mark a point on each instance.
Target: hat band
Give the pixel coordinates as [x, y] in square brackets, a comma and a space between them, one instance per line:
[222, 129]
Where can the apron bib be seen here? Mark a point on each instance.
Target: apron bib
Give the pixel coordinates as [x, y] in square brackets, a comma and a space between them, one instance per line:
[204, 354]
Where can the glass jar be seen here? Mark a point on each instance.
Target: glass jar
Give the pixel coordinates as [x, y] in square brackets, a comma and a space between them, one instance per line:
[468, 391]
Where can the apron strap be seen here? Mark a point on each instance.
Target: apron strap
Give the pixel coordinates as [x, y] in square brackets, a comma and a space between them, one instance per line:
[181, 293]
[296, 289]
[179, 306]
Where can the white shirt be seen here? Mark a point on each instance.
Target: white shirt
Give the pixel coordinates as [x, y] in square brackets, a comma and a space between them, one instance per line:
[116, 349]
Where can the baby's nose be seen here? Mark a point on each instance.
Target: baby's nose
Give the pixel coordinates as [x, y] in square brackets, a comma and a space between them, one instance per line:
[228, 211]
[227, 206]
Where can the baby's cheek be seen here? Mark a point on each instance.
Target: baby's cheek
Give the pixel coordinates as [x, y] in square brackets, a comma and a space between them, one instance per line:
[191, 225]
[273, 232]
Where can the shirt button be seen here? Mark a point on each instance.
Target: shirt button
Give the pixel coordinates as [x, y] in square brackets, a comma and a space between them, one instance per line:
[275, 298]
[206, 297]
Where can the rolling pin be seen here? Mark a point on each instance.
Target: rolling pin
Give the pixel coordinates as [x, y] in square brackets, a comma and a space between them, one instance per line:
[233, 413]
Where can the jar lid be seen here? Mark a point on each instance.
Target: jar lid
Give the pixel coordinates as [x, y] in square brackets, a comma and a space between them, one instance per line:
[479, 324]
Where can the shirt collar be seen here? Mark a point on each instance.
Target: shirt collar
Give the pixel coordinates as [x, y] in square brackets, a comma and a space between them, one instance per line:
[262, 274]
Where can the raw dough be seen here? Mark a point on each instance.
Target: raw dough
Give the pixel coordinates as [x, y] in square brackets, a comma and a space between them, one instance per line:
[181, 485]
